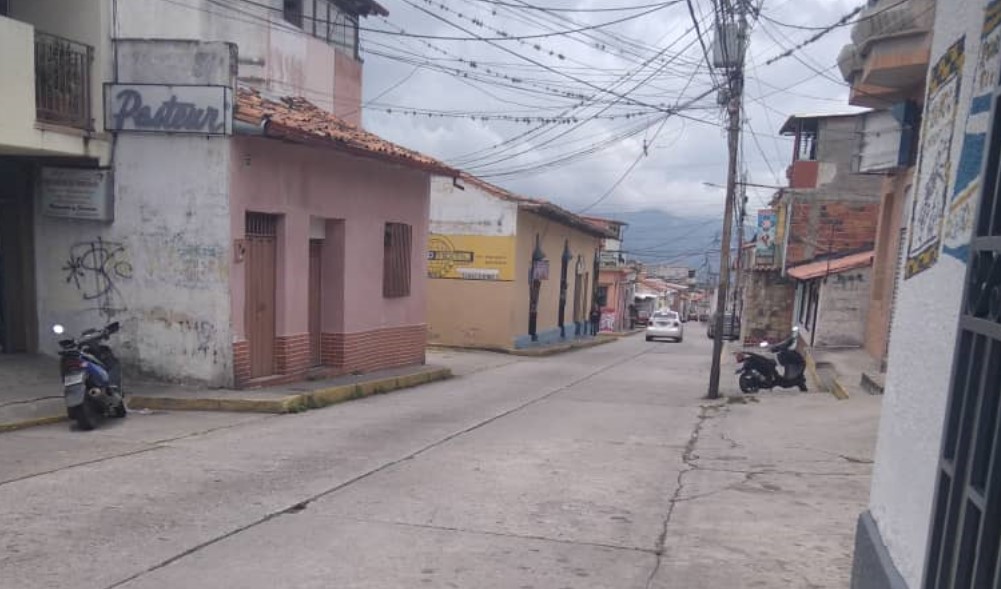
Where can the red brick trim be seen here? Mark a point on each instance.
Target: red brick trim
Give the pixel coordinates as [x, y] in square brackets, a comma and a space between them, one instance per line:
[366, 351]
[241, 362]
[292, 354]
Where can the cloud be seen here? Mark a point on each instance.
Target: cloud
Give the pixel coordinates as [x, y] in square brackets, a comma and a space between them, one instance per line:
[672, 165]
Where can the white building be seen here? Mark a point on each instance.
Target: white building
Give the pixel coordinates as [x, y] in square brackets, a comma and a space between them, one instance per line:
[934, 517]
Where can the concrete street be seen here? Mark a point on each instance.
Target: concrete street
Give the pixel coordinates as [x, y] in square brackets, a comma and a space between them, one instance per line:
[598, 468]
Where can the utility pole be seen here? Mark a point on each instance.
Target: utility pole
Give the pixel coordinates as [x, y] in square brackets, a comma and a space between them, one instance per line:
[741, 212]
[735, 91]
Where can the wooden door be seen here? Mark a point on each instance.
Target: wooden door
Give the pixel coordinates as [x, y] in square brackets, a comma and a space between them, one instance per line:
[315, 298]
[261, 258]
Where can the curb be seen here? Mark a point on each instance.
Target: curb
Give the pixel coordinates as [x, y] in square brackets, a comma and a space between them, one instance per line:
[293, 403]
[604, 338]
[16, 425]
[539, 353]
[839, 391]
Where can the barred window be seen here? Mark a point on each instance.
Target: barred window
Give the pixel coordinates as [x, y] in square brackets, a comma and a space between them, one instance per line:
[396, 260]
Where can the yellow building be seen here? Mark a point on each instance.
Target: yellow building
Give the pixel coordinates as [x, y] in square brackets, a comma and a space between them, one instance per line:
[492, 254]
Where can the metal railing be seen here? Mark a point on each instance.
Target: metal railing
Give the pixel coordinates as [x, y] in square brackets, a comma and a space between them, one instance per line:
[62, 81]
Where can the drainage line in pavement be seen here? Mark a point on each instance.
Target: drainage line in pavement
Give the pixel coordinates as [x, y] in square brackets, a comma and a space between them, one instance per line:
[297, 507]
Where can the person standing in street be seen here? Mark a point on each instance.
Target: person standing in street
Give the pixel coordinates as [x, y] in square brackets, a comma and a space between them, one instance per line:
[595, 319]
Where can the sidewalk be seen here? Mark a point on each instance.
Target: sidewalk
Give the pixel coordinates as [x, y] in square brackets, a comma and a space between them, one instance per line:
[770, 494]
[36, 405]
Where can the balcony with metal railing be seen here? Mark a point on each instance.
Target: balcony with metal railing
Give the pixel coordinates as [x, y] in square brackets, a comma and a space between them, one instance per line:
[48, 105]
[888, 57]
[62, 81]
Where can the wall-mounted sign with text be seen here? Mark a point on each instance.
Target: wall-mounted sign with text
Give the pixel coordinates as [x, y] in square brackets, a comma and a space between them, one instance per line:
[158, 108]
[77, 193]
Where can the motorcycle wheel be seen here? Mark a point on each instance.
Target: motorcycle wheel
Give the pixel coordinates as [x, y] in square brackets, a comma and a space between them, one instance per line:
[119, 410]
[748, 383]
[85, 416]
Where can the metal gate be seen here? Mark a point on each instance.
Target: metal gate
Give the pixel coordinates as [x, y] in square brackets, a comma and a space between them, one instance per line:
[966, 520]
[259, 310]
[315, 300]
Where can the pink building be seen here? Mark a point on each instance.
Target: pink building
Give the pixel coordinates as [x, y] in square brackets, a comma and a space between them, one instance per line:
[331, 226]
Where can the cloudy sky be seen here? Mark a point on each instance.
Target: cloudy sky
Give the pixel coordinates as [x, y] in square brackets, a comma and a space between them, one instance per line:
[594, 99]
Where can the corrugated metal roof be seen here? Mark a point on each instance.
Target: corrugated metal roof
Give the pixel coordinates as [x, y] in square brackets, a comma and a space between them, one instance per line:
[825, 267]
[300, 121]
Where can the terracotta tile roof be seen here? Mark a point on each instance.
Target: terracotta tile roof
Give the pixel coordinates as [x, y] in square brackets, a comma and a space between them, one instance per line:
[825, 267]
[300, 121]
[540, 207]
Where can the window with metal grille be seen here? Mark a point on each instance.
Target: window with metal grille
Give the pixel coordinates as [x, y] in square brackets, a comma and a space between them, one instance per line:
[262, 224]
[292, 12]
[966, 520]
[396, 260]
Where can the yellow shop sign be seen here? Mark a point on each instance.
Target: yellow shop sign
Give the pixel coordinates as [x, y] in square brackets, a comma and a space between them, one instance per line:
[471, 257]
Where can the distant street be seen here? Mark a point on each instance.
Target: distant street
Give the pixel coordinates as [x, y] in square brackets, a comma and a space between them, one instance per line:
[602, 468]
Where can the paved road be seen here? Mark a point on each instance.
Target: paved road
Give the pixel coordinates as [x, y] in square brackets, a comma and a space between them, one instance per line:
[568, 471]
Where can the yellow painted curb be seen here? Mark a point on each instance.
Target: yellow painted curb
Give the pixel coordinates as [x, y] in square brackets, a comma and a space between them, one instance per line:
[292, 403]
[9, 427]
[811, 369]
[839, 391]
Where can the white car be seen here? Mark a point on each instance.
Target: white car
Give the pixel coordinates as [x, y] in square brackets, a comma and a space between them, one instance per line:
[665, 324]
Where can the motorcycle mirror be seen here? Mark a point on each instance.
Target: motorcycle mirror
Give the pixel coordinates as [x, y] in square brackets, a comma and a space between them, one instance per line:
[763, 345]
[58, 329]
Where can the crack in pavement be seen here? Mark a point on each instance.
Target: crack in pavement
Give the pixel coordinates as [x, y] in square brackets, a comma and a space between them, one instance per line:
[430, 526]
[688, 457]
[299, 506]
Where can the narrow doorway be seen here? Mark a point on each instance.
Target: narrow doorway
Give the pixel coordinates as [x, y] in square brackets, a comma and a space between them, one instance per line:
[259, 312]
[18, 318]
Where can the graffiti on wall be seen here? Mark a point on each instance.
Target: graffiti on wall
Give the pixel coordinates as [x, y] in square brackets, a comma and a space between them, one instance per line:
[95, 269]
[958, 225]
[934, 165]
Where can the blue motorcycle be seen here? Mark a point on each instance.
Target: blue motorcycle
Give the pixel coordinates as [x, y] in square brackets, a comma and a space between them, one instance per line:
[92, 376]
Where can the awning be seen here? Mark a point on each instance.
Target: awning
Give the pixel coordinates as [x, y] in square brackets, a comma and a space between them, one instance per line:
[827, 267]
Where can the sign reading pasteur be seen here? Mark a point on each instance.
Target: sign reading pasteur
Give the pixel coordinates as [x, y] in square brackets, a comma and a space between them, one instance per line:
[471, 257]
[160, 108]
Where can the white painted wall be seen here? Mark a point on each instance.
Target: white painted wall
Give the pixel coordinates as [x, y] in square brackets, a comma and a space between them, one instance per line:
[472, 211]
[275, 55]
[921, 354]
[162, 267]
[844, 301]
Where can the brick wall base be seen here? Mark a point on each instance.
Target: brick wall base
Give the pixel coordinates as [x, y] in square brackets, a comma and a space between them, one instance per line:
[341, 353]
[374, 350]
[292, 354]
[241, 362]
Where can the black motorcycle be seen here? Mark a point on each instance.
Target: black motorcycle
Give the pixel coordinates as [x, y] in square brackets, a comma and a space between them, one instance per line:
[761, 372]
[92, 376]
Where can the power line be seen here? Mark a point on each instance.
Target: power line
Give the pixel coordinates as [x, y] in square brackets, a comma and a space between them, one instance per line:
[554, 9]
